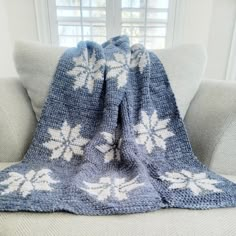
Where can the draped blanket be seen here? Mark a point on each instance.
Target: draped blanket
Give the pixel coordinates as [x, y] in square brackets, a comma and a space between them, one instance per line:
[111, 141]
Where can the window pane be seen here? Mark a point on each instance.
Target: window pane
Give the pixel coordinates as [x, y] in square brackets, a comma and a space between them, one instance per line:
[99, 31]
[96, 39]
[133, 3]
[154, 43]
[126, 3]
[92, 29]
[133, 31]
[72, 29]
[69, 30]
[131, 14]
[69, 41]
[157, 15]
[156, 31]
[95, 13]
[72, 41]
[68, 2]
[68, 13]
[85, 3]
[134, 40]
[158, 4]
[86, 13]
[94, 3]
[89, 29]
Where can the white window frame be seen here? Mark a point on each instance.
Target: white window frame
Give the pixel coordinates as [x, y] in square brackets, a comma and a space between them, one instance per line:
[231, 68]
[47, 23]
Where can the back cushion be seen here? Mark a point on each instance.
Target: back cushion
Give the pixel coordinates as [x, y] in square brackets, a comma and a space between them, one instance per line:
[37, 63]
[185, 66]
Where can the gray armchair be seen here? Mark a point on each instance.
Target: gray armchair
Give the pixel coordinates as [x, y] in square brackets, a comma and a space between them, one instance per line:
[211, 124]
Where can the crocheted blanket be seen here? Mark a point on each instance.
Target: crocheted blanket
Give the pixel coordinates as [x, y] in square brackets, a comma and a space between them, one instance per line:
[111, 141]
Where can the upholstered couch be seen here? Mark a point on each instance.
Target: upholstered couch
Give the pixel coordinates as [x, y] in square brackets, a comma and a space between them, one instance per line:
[211, 124]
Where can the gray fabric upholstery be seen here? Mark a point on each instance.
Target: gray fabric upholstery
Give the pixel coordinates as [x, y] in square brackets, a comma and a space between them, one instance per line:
[185, 66]
[169, 222]
[211, 125]
[17, 120]
[36, 65]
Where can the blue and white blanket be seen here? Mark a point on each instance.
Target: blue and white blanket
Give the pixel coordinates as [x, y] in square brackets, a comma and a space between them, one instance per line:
[111, 141]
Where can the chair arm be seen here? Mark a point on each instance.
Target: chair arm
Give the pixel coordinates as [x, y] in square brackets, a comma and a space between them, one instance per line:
[211, 125]
[17, 120]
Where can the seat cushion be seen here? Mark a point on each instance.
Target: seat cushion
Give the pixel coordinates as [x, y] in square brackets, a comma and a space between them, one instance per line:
[165, 222]
[36, 65]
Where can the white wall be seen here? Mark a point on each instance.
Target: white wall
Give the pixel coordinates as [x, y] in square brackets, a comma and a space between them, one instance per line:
[208, 22]
[17, 22]
[220, 37]
[196, 21]
[211, 23]
[22, 19]
[7, 68]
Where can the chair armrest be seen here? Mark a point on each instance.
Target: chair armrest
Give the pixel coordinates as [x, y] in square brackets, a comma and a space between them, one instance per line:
[211, 125]
[17, 120]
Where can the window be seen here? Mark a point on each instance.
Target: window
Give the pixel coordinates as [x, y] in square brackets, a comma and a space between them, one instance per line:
[145, 21]
[81, 20]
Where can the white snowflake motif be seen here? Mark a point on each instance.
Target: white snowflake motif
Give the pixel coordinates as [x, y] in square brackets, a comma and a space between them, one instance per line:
[106, 187]
[118, 69]
[139, 57]
[152, 132]
[196, 182]
[111, 149]
[87, 70]
[31, 181]
[65, 142]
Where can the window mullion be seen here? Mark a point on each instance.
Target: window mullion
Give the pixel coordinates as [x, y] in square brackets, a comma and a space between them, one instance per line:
[113, 18]
[145, 23]
[117, 14]
[171, 23]
[52, 9]
[109, 4]
[81, 20]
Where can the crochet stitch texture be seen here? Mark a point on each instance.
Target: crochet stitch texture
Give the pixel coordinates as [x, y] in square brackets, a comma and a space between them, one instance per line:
[110, 140]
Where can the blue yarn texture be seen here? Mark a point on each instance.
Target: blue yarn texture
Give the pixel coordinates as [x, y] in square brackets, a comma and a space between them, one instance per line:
[110, 140]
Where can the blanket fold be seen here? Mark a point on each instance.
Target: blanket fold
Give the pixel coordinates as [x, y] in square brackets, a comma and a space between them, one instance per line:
[110, 140]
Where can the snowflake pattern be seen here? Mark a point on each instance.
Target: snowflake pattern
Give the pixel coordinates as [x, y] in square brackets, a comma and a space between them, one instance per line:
[87, 70]
[118, 69]
[31, 181]
[139, 57]
[65, 142]
[107, 187]
[152, 132]
[196, 182]
[111, 149]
